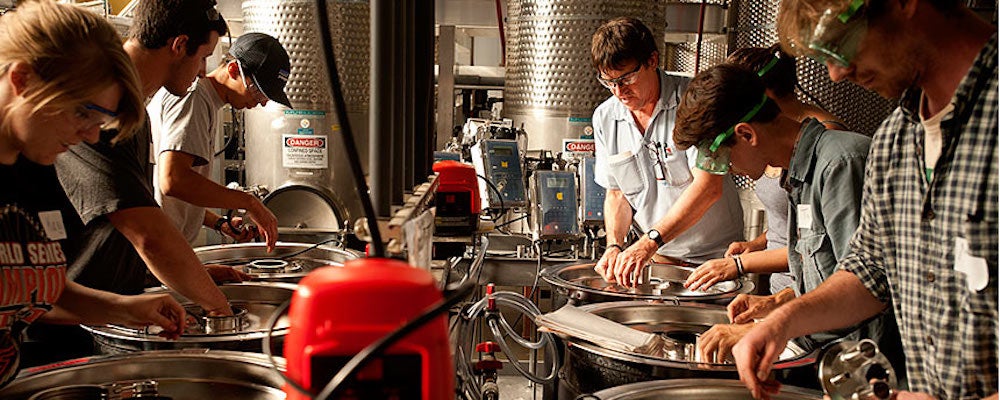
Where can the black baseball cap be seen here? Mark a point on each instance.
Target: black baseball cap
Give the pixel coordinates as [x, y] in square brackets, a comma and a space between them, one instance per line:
[264, 59]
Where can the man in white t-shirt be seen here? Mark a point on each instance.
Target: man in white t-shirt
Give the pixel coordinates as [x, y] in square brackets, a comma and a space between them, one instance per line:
[254, 72]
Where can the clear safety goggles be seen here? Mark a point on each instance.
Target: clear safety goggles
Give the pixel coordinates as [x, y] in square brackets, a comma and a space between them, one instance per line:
[626, 79]
[712, 156]
[89, 115]
[838, 35]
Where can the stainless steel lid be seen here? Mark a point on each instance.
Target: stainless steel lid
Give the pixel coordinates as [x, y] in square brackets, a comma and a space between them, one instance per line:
[253, 303]
[254, 259]
[681, 325]
[176, 374]
[695, 389]
[661, 282]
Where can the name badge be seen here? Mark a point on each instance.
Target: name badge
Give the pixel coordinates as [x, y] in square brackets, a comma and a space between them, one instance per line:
[52, 222]
[805, 216]
[975, 268]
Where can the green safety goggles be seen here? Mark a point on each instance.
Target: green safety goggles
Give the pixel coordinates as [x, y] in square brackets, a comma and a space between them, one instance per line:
[712, 156]
[837, 36]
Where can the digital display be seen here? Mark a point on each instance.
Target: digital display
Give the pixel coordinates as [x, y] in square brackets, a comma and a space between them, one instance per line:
[556, 182]
[503, 151]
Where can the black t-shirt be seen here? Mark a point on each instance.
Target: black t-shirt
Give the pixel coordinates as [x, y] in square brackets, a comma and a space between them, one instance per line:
[100, 179]
[32, 265]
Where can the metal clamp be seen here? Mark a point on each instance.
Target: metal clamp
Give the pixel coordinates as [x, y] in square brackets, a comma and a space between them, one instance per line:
[856, 370]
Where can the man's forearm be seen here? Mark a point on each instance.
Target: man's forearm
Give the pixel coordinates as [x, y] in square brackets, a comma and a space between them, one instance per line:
[79, 304]
[178, 180]
[617, 217]
[765, 262]
[839, 302]
[168, 255]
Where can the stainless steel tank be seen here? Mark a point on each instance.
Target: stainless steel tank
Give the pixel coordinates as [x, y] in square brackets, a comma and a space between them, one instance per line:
[253, 305]
[549, 83]
[274, 160]
[697, 389]
[175, 374]
[588, 367]
[289, 262]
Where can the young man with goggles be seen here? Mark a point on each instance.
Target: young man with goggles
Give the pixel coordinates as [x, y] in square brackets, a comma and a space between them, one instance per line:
[184, 130]
[685, 214]
[928, 238]
[776, 69]
[726, 114]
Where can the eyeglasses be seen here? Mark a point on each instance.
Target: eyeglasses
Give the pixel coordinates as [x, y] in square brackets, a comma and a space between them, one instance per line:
[251, 86]
[625, 79]
[837, 36]
[712, 157]
[90, 115]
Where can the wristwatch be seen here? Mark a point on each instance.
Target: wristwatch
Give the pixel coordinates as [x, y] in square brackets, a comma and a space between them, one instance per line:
[219, 222]
[654, 235]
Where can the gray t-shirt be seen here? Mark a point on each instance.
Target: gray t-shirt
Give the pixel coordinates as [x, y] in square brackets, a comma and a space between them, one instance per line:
[775, 201]
[187, 124]
[100, 179]
[652, 174]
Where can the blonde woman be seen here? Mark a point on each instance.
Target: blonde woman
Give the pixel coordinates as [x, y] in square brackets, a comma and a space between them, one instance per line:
[63, 77]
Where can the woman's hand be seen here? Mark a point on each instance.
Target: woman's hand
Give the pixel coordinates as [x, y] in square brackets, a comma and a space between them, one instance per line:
[152, 309]
[710, 273]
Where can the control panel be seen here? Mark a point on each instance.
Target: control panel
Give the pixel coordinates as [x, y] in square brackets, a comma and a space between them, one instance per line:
[554, 213]
[500, 162]
[591, 194]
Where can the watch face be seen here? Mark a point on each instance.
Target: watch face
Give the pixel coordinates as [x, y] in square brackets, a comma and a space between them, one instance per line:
[654, 235]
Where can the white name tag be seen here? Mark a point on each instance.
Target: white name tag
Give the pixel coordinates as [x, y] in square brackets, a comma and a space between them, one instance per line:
[52, 222]
[975, 268]
[805, 216]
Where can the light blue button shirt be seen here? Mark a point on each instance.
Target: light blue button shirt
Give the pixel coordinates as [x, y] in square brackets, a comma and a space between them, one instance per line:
[656, 173]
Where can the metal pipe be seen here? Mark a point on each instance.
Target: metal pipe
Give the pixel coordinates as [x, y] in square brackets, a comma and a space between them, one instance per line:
[411, 132]
[701, 32]
[323, 19]
[424, 92]
[380, 109]
[503, 36]
[446, 84]
[398, 99]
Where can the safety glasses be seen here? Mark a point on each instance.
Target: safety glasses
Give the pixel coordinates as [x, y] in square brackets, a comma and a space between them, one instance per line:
[626, 79]
[250, 85]
[838, 35]
[89, 115]
[712, 156]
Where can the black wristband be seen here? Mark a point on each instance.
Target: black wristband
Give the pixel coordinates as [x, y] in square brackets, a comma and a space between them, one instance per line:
[739, 266]
[615, 245]
[219, 222]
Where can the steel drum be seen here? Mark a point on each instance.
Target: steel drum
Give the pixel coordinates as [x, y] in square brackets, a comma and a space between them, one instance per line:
[276, 266]
[580, 284]
[695, 389]
[588, 367]
[253, 304]
[173, 374]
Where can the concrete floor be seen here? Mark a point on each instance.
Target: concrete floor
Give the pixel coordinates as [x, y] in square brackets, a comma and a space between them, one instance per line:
[518, 388]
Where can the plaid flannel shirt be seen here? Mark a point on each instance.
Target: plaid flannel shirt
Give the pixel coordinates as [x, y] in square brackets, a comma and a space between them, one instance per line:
[905, 248]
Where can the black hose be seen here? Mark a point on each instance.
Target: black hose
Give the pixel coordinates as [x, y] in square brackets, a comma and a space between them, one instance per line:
[351, 150]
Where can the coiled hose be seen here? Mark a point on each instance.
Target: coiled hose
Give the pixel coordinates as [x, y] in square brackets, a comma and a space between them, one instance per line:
[501, 331]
